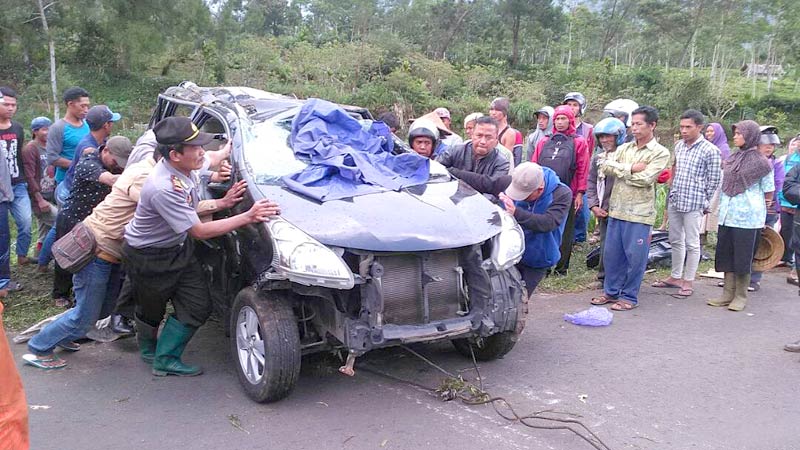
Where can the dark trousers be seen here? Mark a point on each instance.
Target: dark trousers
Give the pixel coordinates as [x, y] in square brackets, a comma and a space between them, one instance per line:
[125, 302]
[532, 277]
[62, 279]
[567, 241]
[158, 275]
[735, 249]
[602, 225]
[787, 226]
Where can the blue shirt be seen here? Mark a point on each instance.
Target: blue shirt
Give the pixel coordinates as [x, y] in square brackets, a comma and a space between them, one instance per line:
[788, 163]
[748, 209]
[72, 136]
[88, 141]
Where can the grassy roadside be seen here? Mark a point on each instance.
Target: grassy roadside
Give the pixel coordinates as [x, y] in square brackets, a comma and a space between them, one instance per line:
[581, 278]
[33, 303]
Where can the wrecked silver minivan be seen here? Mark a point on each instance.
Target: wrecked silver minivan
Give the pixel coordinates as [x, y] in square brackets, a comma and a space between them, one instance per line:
[426, 263]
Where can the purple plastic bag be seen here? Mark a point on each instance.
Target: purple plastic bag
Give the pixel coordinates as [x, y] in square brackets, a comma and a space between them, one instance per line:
[592, 317]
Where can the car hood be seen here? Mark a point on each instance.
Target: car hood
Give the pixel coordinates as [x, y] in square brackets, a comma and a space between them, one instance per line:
[427, 217]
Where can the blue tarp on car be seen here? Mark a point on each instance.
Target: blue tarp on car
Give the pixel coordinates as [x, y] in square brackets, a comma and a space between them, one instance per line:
[345, 159]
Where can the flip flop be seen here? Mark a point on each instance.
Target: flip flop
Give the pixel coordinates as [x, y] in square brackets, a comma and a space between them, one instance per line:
[622, 305]
[602, 300]
[46, 362]
[664, 284]
[684, 293]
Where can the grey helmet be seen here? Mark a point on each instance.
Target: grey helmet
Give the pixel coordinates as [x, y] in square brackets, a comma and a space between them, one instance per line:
[578, 97]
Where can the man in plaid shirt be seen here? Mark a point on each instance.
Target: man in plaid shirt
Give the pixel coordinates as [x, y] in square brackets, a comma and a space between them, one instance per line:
[697, 175]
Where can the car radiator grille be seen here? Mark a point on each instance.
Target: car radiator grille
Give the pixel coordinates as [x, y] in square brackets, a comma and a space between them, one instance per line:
[408, 277]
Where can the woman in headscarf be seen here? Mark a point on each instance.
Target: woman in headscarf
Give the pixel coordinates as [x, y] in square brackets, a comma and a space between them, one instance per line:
[716, 135]
[747, 189]
[767, 145]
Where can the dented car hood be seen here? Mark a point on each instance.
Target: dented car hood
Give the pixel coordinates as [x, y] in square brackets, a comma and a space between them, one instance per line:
[434, 216]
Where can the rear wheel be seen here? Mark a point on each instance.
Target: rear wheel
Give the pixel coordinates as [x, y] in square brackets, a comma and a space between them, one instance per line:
[488, 348]
[265, 344]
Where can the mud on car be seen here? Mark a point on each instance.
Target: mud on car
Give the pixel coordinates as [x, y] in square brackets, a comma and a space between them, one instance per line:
[426, 263]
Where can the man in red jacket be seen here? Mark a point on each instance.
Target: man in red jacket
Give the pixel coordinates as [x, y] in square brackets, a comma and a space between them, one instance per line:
[568, 155]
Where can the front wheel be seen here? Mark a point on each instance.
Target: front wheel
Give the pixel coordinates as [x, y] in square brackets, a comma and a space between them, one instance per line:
[489, 348]
[265, 344]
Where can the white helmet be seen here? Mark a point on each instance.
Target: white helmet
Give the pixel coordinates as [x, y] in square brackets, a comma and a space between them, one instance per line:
[769, 135]
[621, 108]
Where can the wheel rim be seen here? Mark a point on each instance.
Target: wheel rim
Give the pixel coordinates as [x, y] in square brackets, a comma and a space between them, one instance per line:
[250, 345]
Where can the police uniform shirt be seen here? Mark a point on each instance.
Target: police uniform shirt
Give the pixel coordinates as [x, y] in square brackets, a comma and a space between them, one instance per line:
[166, 211]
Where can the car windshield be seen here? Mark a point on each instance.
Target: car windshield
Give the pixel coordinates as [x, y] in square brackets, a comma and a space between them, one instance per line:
[270, 157]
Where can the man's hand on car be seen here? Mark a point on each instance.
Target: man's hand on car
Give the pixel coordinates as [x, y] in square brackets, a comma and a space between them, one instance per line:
[223, 174]
[233, 196]
[509, 205]
[262, 210]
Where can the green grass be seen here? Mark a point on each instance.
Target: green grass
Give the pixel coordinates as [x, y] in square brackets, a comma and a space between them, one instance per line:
[33, 303]
[580, 278]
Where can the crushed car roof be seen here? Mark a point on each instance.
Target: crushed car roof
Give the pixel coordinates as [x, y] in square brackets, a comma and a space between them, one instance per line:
[258, 104]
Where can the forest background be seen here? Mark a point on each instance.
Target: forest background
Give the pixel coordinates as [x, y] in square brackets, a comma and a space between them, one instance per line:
[411, 56]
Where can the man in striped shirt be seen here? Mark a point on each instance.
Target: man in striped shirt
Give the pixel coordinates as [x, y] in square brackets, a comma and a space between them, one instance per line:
[697, 175]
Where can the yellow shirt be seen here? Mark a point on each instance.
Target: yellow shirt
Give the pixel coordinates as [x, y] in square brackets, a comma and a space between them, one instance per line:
[633, 196]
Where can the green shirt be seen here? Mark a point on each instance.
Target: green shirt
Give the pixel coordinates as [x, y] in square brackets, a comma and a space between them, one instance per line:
[633, 196]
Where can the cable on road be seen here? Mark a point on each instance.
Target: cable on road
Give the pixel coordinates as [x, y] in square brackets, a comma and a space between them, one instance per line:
[454, 387]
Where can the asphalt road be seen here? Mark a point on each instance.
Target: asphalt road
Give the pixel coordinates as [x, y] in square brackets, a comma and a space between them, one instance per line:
[672, 374]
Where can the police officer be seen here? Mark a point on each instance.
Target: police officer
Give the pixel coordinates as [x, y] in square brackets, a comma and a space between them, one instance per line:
[159, 254]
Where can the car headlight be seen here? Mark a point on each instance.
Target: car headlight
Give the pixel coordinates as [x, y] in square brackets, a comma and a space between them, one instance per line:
[302, 259]
[509, 244]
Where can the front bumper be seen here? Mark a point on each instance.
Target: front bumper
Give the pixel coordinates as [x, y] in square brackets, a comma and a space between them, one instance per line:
[504, 308]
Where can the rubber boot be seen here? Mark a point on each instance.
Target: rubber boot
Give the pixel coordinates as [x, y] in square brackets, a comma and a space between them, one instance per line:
[727, 291]
[170, 346]
[146, 337]
[740, 298]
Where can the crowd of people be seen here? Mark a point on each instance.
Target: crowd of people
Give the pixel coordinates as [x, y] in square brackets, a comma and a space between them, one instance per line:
[142, 206]
[611, 171]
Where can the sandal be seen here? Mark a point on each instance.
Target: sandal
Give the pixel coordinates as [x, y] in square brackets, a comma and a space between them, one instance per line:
[70, 346]
[683, 293]
[602, 300]
[45, 362]
[622, 305]
[665, 284]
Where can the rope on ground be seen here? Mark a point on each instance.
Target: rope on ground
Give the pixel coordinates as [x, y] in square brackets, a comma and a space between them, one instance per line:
[454, 387]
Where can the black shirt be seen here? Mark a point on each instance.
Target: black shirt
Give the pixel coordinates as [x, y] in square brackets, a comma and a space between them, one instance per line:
[87, 190]
[11, 141]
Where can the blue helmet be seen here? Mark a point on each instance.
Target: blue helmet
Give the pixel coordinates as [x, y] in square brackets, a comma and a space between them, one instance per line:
[612, 126]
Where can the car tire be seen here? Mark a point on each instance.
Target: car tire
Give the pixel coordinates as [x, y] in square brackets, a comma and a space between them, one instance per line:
[489, 348]
[267, 372]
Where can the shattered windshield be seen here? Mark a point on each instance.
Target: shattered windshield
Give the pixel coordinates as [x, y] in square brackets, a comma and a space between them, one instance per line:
[270, 156]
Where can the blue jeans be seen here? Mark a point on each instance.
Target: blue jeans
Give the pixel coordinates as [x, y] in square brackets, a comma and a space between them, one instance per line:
[23, 216]
[61, 194]
[5, 245]
[96, 288]
[625, 252]
[47, 247]
[582, 221]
